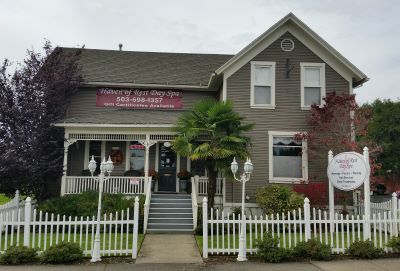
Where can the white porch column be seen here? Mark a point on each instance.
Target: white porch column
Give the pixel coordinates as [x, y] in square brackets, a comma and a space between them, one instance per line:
[67, 142]
[147, 144]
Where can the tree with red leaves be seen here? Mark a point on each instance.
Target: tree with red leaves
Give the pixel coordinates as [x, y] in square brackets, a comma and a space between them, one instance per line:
[33, 98]
[339, 125]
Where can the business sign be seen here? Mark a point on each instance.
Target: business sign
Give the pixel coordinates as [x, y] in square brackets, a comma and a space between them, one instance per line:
[139, 98]
[348, 171]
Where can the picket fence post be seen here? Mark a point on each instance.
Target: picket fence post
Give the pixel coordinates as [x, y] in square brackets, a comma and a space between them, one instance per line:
[205, 228]
[27, 221]
[135, 227]
[395, 214]
[307, 219]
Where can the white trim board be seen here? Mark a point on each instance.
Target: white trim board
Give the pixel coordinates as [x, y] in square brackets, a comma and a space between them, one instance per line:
[100, 125]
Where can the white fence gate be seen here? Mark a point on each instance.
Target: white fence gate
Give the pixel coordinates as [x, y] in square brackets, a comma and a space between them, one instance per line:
[32, 228]
[221, 230]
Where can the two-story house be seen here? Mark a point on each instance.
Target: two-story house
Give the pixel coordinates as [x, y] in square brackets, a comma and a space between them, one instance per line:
[129, 101]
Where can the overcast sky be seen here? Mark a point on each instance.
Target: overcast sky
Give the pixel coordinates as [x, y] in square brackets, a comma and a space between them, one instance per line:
[366, 32]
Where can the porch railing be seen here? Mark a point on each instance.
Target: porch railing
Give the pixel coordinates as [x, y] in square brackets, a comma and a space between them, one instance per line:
[114, 185]
[202, 186]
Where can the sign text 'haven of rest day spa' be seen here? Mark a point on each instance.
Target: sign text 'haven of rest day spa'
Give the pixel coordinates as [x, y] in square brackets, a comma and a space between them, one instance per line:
[348, 171]
[139, 98]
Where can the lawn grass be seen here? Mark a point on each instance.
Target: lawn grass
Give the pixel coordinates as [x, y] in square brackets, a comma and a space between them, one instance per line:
[4, 199]
[107, 241]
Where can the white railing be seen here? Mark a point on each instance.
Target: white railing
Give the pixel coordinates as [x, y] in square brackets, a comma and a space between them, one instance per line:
[194, 181]
[116, 185]
[380, 207]
[119, 231]
[147, 205]
[11, 207]
[202, 186]
[300, 225]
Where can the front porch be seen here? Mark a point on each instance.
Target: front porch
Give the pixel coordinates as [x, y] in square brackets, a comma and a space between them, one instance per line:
[140, 158]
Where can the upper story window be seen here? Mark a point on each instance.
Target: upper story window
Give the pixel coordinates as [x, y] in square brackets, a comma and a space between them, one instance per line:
[312, 84]
[262, 93]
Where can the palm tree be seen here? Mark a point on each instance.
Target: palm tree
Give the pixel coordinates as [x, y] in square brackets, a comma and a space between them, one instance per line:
[212, 132]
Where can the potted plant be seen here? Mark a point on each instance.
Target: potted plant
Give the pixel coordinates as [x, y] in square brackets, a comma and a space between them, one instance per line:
[154, 177]
[184, 176]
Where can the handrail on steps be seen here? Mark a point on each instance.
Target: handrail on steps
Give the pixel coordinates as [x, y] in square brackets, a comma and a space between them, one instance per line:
[147, 204]
[195, 181]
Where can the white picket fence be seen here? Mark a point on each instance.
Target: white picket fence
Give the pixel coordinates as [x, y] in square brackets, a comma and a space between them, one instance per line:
[115, 184]
[32, 228]
[13, 206]
[379, 207]
[221, 230]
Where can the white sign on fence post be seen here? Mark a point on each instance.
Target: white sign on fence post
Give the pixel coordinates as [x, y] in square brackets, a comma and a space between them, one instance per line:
[347, 171]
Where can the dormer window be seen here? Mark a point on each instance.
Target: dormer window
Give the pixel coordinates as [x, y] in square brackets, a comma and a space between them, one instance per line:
[312, 84]
[262, 85]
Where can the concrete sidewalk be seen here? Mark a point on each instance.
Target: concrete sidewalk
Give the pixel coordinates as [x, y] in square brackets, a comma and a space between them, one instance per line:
[339, 265]
[169, 248]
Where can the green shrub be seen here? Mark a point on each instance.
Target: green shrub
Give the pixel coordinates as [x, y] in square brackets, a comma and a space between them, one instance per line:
[4, 199]
[394, 244]
[312, 249]
[269, 251]
[19, 255]
[63, 252]
[277, 199]
[85, 204]
[364, 250]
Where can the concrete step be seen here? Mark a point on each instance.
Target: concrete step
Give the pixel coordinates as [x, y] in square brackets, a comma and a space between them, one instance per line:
[170, 205]
[169, 215]
[167, 231]
[171, 210]
[171, 196]
[171, 200]
[172, 220]
[169, 226]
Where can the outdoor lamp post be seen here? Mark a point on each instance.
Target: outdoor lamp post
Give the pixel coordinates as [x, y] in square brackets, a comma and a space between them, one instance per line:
[244, 178]
[104, 167]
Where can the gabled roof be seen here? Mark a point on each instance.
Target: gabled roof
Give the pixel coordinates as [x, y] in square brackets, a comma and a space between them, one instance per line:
[148, 68]
[290, 23]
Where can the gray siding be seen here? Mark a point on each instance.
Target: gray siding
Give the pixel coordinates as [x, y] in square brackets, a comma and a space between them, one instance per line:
[287, 115]
[83, 107]
[76, 153]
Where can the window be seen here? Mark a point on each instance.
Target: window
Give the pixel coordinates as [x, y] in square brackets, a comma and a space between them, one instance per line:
[136, 157]
[287, 158]
[312, 84]
[262, 85]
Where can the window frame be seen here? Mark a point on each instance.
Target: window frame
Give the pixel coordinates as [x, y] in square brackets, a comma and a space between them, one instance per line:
[303, 66]
[304, 159]
[254, 65]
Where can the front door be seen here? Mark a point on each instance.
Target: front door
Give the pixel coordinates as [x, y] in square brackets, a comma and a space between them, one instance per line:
[167, 169]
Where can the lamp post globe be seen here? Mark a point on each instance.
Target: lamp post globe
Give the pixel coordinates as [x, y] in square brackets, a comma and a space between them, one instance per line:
[234, 166]
[248, 166]
[92, 165]
[110, 165]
